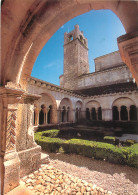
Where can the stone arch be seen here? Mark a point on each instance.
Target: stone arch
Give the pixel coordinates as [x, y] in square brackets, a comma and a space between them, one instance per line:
[122, 109]
[78, 110]
[66, 108]
[123, 101]
[94, 109]
[93, 103]
[50, 108]
[66, 102]
[33, 29]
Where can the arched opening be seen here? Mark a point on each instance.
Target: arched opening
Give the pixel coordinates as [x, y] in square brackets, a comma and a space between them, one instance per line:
[124, 113]
[66, 106]
[93, 114]
[99, 113]
[49, 114]
[64, 114]
[133, 113]
[87, 113]
[71, 38]
[115, 113]
[42, 114]
[68, 114]
[76, 115]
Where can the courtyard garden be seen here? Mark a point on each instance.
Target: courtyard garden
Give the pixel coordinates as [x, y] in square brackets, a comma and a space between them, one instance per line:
[92, 144]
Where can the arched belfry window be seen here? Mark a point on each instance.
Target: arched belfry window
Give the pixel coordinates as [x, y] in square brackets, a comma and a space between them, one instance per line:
[71, 37]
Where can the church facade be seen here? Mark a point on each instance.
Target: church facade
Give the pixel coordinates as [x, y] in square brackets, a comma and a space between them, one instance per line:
[107, 94]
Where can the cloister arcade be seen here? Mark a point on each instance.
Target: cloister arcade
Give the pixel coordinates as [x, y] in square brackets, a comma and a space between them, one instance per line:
[47, 111]
[93, 110]
[124, 109]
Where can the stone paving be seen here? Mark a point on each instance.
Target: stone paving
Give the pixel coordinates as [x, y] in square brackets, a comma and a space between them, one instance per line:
[49, 180]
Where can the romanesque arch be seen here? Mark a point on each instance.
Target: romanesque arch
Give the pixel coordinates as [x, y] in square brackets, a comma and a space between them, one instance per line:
[47, 109]
[78, 110]
[93, 110]
[124, 109]
[38, 22]
[65, 111]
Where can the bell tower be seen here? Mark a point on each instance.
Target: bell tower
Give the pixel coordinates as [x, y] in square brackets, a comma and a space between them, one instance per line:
[75, 58]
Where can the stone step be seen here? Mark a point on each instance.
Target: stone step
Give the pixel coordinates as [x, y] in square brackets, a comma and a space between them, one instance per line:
[44, 158]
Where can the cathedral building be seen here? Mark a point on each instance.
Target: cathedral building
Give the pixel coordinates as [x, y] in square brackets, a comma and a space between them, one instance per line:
[109, 94]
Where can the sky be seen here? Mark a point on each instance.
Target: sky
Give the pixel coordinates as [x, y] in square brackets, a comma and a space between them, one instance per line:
[100, 27]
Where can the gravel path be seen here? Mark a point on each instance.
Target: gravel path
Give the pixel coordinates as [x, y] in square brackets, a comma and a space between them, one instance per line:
[119, 179]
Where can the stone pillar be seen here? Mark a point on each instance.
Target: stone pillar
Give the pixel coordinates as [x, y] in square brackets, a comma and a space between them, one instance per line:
[83, 114]
[107, 114]
[36, 110]
[65, 116]
[54, 116]
[29, 152]
[119, 111]
[10, 163]
[128, 47]
[128, 111]
[96, 110]
[72, 114]
[59, 116]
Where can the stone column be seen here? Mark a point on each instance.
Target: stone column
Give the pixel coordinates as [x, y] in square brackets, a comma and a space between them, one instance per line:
[54, 116]
[10, 163]
[83, 114]
[96, 110]
[36, 110]
[119, 111]
[45, 110]
[58, 115]
[128, 47]
[65, 116]
[72, 115]
[128, 109]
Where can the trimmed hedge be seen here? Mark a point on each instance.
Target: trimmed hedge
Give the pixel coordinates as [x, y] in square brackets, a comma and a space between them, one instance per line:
[92, 149]
[109, 139]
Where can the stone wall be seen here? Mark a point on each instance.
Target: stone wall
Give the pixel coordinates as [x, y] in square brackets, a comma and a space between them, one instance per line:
[107, 77]
[108, 61]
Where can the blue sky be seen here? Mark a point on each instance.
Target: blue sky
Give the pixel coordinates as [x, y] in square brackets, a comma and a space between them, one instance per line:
[101, 28]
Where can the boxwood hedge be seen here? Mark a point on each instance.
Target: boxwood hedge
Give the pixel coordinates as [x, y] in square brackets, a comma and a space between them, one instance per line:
[92, 149]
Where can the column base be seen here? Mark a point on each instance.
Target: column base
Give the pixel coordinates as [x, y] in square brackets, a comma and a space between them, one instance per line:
[30, 160]
[12, 172]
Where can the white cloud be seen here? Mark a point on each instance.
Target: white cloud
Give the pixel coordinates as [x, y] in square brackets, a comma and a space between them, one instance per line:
[57, 63]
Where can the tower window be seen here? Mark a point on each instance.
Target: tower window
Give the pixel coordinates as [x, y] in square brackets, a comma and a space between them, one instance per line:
[71, 38]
